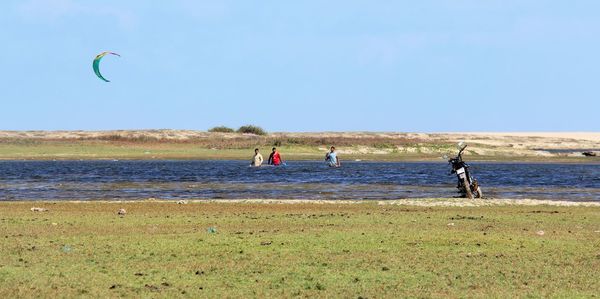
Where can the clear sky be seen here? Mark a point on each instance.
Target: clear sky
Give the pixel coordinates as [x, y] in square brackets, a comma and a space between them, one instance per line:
[302, 65]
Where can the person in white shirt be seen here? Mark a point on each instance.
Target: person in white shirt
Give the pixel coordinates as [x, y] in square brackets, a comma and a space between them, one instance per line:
[332, 158]
[257, 159]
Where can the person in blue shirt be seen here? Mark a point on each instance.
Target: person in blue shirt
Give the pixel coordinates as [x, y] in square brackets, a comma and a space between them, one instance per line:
[332, 159]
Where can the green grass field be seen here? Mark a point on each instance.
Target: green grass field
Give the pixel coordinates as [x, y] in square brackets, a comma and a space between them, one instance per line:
[297, 250]
[73, 150]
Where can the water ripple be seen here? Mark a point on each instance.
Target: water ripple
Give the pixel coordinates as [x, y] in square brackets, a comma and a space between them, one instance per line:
[89, 180]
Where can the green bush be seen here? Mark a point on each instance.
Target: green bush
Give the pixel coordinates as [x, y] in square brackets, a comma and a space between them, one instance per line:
[250, 129]
[222, 129]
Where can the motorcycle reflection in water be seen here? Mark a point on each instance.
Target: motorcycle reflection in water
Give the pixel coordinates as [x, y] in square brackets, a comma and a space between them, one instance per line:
[467, 186]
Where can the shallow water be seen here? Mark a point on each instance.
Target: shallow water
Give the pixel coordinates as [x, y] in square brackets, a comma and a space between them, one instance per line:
[91, 180]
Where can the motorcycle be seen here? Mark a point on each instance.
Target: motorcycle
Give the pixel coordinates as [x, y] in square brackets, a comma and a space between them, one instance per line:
[467, 186]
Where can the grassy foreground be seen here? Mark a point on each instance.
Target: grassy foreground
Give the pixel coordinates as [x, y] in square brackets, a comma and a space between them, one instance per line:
[286, 250]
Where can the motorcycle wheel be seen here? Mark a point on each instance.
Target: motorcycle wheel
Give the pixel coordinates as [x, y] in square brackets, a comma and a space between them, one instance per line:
[479, 193]
[467, 188]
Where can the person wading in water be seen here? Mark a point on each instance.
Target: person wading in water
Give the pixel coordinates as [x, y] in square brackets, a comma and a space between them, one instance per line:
[332, 158]
[257, 160]
[275, 158]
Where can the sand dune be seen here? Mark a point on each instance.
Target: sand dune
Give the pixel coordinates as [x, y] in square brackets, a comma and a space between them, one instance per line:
[188, 134]
[485, 145]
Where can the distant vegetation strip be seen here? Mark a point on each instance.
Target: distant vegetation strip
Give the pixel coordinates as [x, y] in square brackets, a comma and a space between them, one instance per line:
[233, 140]
[225, 143]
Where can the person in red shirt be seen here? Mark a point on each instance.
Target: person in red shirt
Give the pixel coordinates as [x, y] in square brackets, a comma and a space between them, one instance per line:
[275, 158]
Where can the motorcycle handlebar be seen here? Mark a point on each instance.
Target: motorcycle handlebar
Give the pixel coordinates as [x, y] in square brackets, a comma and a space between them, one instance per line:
[461, 150]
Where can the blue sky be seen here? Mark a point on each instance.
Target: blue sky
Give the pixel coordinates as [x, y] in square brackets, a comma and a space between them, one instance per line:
[302, 65]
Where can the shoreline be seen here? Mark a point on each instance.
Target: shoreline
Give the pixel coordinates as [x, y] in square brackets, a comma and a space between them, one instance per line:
[317, 159]
[417, 202]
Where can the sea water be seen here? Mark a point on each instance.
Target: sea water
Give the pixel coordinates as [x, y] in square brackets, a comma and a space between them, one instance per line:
[117, 180]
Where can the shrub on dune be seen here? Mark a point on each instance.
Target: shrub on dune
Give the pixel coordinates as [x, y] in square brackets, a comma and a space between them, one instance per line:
[221, 129]
[250, 129]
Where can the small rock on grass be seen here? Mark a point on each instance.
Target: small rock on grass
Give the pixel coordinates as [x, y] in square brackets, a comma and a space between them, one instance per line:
[182, 202]
[34, 209]
[450, 224]
[122, 212]
[540, 233]
[265, 243]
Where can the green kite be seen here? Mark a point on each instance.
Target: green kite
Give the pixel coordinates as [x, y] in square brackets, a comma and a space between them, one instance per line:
[96, 64]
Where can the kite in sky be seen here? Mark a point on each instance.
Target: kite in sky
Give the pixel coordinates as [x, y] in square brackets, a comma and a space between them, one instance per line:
[96, 63]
